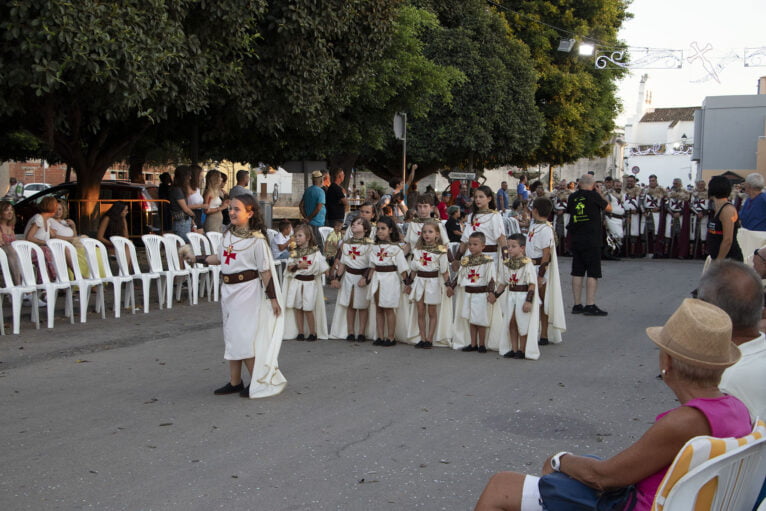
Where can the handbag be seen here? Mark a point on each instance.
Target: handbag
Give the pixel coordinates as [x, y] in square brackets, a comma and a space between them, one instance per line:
[559, 492]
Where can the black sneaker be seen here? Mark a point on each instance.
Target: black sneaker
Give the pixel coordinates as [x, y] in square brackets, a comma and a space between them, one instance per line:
[378, 342]
[229, 389]
[420, 344]
[482, 349]
[350, 337]
[510, 354]
[593, 310]
[428, 345]
[300, 337]
[519, 355]
[577, 309]
[389, 342]
[543, 341]
[312, 338]
[245, 392]
[361, 338]
[469, 348]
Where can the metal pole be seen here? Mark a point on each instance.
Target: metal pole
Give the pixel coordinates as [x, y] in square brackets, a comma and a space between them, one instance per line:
[404, 161]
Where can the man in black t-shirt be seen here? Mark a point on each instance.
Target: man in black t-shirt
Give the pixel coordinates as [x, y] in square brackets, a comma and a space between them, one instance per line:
[336, 198]
[585, 207]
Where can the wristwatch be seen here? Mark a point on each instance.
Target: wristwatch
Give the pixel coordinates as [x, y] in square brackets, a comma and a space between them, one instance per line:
[556, 460]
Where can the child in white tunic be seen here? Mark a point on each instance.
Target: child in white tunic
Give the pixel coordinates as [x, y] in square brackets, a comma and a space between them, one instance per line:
[251, 303]
[476, 279]
[518, 278]
[484, 219]
[424, 208]
[350, 277]
[388, 267]
[427, 288]
[304, 297]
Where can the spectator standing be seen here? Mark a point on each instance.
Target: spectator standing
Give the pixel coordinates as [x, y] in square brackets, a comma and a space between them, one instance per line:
[585, 207]
[194, 196]
[394, 199]
[412, 195]
[15, 190]
[163, 193]
[722, 228]
[242, 186]
[521, 189]
[180, 211]
[453, 227]
[463, 199]
[502, 197]
[281, 241]
[216, 205]
[737, 290]
[336, 198]
[312, 205]
[442, 205]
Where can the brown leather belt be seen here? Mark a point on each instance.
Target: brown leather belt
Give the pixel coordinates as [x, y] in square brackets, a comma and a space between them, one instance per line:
[355, 271]
[518, 289]
[305, 278]
[384, 269]
[613, 215]
[427, 274]
[490, 249]
[537, 260]
[476, 289]
[239, 278]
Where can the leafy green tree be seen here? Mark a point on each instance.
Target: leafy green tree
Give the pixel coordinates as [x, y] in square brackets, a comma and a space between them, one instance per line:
[578, 101]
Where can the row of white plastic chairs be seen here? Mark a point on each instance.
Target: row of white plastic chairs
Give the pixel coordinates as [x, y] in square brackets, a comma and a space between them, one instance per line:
[170, 272]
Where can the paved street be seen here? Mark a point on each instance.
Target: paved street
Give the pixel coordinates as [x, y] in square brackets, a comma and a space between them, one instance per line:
[120, 414]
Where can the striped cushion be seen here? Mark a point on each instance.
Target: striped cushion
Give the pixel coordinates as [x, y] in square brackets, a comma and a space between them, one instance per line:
[696, 451]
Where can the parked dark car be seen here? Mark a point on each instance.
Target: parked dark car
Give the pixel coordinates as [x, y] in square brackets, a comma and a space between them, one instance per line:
[145, 209]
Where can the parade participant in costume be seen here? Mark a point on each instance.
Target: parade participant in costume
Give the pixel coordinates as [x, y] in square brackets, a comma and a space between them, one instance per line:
[521, 304]
[634, 221]
[388, 267]
[484, 219]
[700, 211]
[652, 202]
[251, 302]
[366, 211]
[616, 217]
[541, 248]
[350, 276]
[724, 224]
[424, 210]
[303, 293]
[676, 243]
[560, 198]
[475, 296]
[430, 315]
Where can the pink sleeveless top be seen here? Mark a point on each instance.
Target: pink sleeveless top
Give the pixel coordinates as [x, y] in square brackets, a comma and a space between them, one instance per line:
[727, 417]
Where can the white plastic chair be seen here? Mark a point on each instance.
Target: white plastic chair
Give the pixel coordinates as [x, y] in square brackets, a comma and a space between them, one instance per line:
[216, 238]
[16, 293]
[202, 246]
[97, 254]
[51, 288]
[739, 472]
[200, 275]
[123, 248]
[62, 248]
[511, 225]
[324, 232]
[154, 245]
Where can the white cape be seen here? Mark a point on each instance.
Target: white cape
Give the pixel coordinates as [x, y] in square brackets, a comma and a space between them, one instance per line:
[554, 302]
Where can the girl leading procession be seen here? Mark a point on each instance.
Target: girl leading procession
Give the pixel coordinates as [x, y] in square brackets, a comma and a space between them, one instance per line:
[349, 276]
[251, 303]
[388, 268]
[484, 219]
[305, 317]
[430, 314]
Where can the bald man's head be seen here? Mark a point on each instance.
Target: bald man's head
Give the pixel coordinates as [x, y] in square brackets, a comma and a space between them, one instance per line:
[735, 288]
[586, 182]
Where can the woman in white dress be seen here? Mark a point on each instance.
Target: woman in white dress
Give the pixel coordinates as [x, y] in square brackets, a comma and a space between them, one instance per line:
[303, 293]
[64, 228]
[194, 198]
[388, 267]
[38, 232]
[483, 218]
[350, 278]
[216, 205]
[251, 302]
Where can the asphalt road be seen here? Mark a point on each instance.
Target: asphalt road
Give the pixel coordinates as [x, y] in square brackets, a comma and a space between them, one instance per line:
[120, 414]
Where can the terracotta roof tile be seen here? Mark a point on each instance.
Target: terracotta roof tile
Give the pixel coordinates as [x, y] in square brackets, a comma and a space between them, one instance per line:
[670, 114]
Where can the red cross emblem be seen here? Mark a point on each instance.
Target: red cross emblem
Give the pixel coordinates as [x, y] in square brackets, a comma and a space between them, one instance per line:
[473, 275]
[425, 259]
[531, 235]
[514, 279]
[475, 224]
[381, 254]
[305, 259]
[353, 253]
[229, 254]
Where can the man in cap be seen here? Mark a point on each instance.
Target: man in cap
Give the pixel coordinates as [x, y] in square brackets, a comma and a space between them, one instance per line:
[312, 205]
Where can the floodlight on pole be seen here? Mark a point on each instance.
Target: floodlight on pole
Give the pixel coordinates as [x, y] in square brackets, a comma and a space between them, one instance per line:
[586, 49]
[566, 45]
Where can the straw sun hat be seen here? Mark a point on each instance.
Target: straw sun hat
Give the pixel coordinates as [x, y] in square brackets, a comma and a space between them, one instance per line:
[698, 333]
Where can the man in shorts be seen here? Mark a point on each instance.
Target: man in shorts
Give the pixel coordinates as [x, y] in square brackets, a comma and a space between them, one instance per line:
[585, 207]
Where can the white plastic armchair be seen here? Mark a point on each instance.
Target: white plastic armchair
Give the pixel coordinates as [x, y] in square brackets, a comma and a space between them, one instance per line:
[199, 274]
[324, 232]
[127, 262]
[170, 269]
[61, 249]
[98, 258]
[201, 246]
[49, 286]
[16, 293]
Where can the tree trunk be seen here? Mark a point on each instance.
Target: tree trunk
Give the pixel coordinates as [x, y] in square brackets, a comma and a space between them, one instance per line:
[68, 175]
[136, 167]
[89, 188]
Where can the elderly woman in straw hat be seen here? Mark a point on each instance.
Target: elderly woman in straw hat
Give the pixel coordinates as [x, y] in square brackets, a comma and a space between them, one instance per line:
[695, 348]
